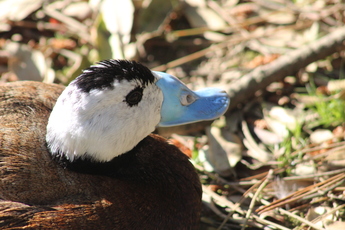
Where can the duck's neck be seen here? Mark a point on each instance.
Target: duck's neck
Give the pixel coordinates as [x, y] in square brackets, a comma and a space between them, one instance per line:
[87, 165]
[152, 159]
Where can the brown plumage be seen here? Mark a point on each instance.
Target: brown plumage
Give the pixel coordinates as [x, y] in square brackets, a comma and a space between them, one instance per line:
[154, 186]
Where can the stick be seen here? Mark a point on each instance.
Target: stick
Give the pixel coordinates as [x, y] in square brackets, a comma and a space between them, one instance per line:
[246, 87]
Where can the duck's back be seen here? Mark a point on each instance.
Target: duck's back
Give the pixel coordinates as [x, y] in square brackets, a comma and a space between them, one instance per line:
[37, 192]
[25, 164]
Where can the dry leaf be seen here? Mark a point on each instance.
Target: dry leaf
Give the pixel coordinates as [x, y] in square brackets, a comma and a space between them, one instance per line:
[305, 168]
[199, 15]
[267, 137]
[321, 135]
[17, 10]
[224, 153]
[27, 64]
[278, 17]
[338, 225]
[78, 10]
[117, 16]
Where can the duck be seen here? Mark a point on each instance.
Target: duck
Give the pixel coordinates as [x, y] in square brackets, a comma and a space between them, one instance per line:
[85, 156]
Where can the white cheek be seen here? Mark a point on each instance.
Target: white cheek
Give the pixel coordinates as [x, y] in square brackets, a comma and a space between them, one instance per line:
[120, 126]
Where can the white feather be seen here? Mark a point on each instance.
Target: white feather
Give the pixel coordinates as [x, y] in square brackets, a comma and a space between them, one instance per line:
[100, 124]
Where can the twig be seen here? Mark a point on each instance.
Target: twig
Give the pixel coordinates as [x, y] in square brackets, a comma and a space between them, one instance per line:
[213, 207]
[74, 26]
[319, 218]
[235, 39]
[38, 25]
[302, 193]
[283, 211]
[252, 203]
[269, 223]
[307, 222]
[237, 205]
[190, 57]
[234, 207]
[317, 148]
[221, 199]
[314, 175]
[285, 65]
[257, 152]
[219, 179]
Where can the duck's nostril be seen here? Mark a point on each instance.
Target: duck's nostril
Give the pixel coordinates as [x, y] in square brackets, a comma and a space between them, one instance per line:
[187, 99]
[190, 99]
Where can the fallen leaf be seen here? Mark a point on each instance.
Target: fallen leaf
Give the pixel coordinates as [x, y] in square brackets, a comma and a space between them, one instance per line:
[17, 10]
[338, 225]
[117, 17]
[267, 137]
[305, 168]
[321, 135]
[26, 63]
[278, 17]
[78, 10]
[224, 153]
[199, 16]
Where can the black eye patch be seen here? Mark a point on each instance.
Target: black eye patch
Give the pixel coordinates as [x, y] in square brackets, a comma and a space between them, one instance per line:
[134, 97]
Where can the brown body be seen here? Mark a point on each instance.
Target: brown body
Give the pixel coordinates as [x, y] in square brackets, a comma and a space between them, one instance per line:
[158, 190]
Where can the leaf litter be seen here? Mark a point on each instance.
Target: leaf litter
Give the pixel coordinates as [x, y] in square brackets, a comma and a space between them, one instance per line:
[276, 159]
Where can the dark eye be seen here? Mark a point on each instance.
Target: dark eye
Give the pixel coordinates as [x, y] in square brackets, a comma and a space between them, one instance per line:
[134, 97]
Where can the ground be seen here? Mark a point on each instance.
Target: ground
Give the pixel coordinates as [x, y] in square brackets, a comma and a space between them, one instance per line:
[275, 160]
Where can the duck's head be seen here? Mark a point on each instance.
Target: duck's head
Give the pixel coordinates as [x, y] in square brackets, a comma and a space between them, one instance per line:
[112, 106]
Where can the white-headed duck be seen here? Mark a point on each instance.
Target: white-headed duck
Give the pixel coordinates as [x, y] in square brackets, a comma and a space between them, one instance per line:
[83, 157]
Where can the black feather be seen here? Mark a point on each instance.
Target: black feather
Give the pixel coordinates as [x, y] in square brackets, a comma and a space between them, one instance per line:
[103, 75]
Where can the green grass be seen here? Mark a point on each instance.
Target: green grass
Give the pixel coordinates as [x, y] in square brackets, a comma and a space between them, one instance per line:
[330, 109]
[291, 143]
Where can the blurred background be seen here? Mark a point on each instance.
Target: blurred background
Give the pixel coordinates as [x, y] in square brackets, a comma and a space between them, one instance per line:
[276, 159]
